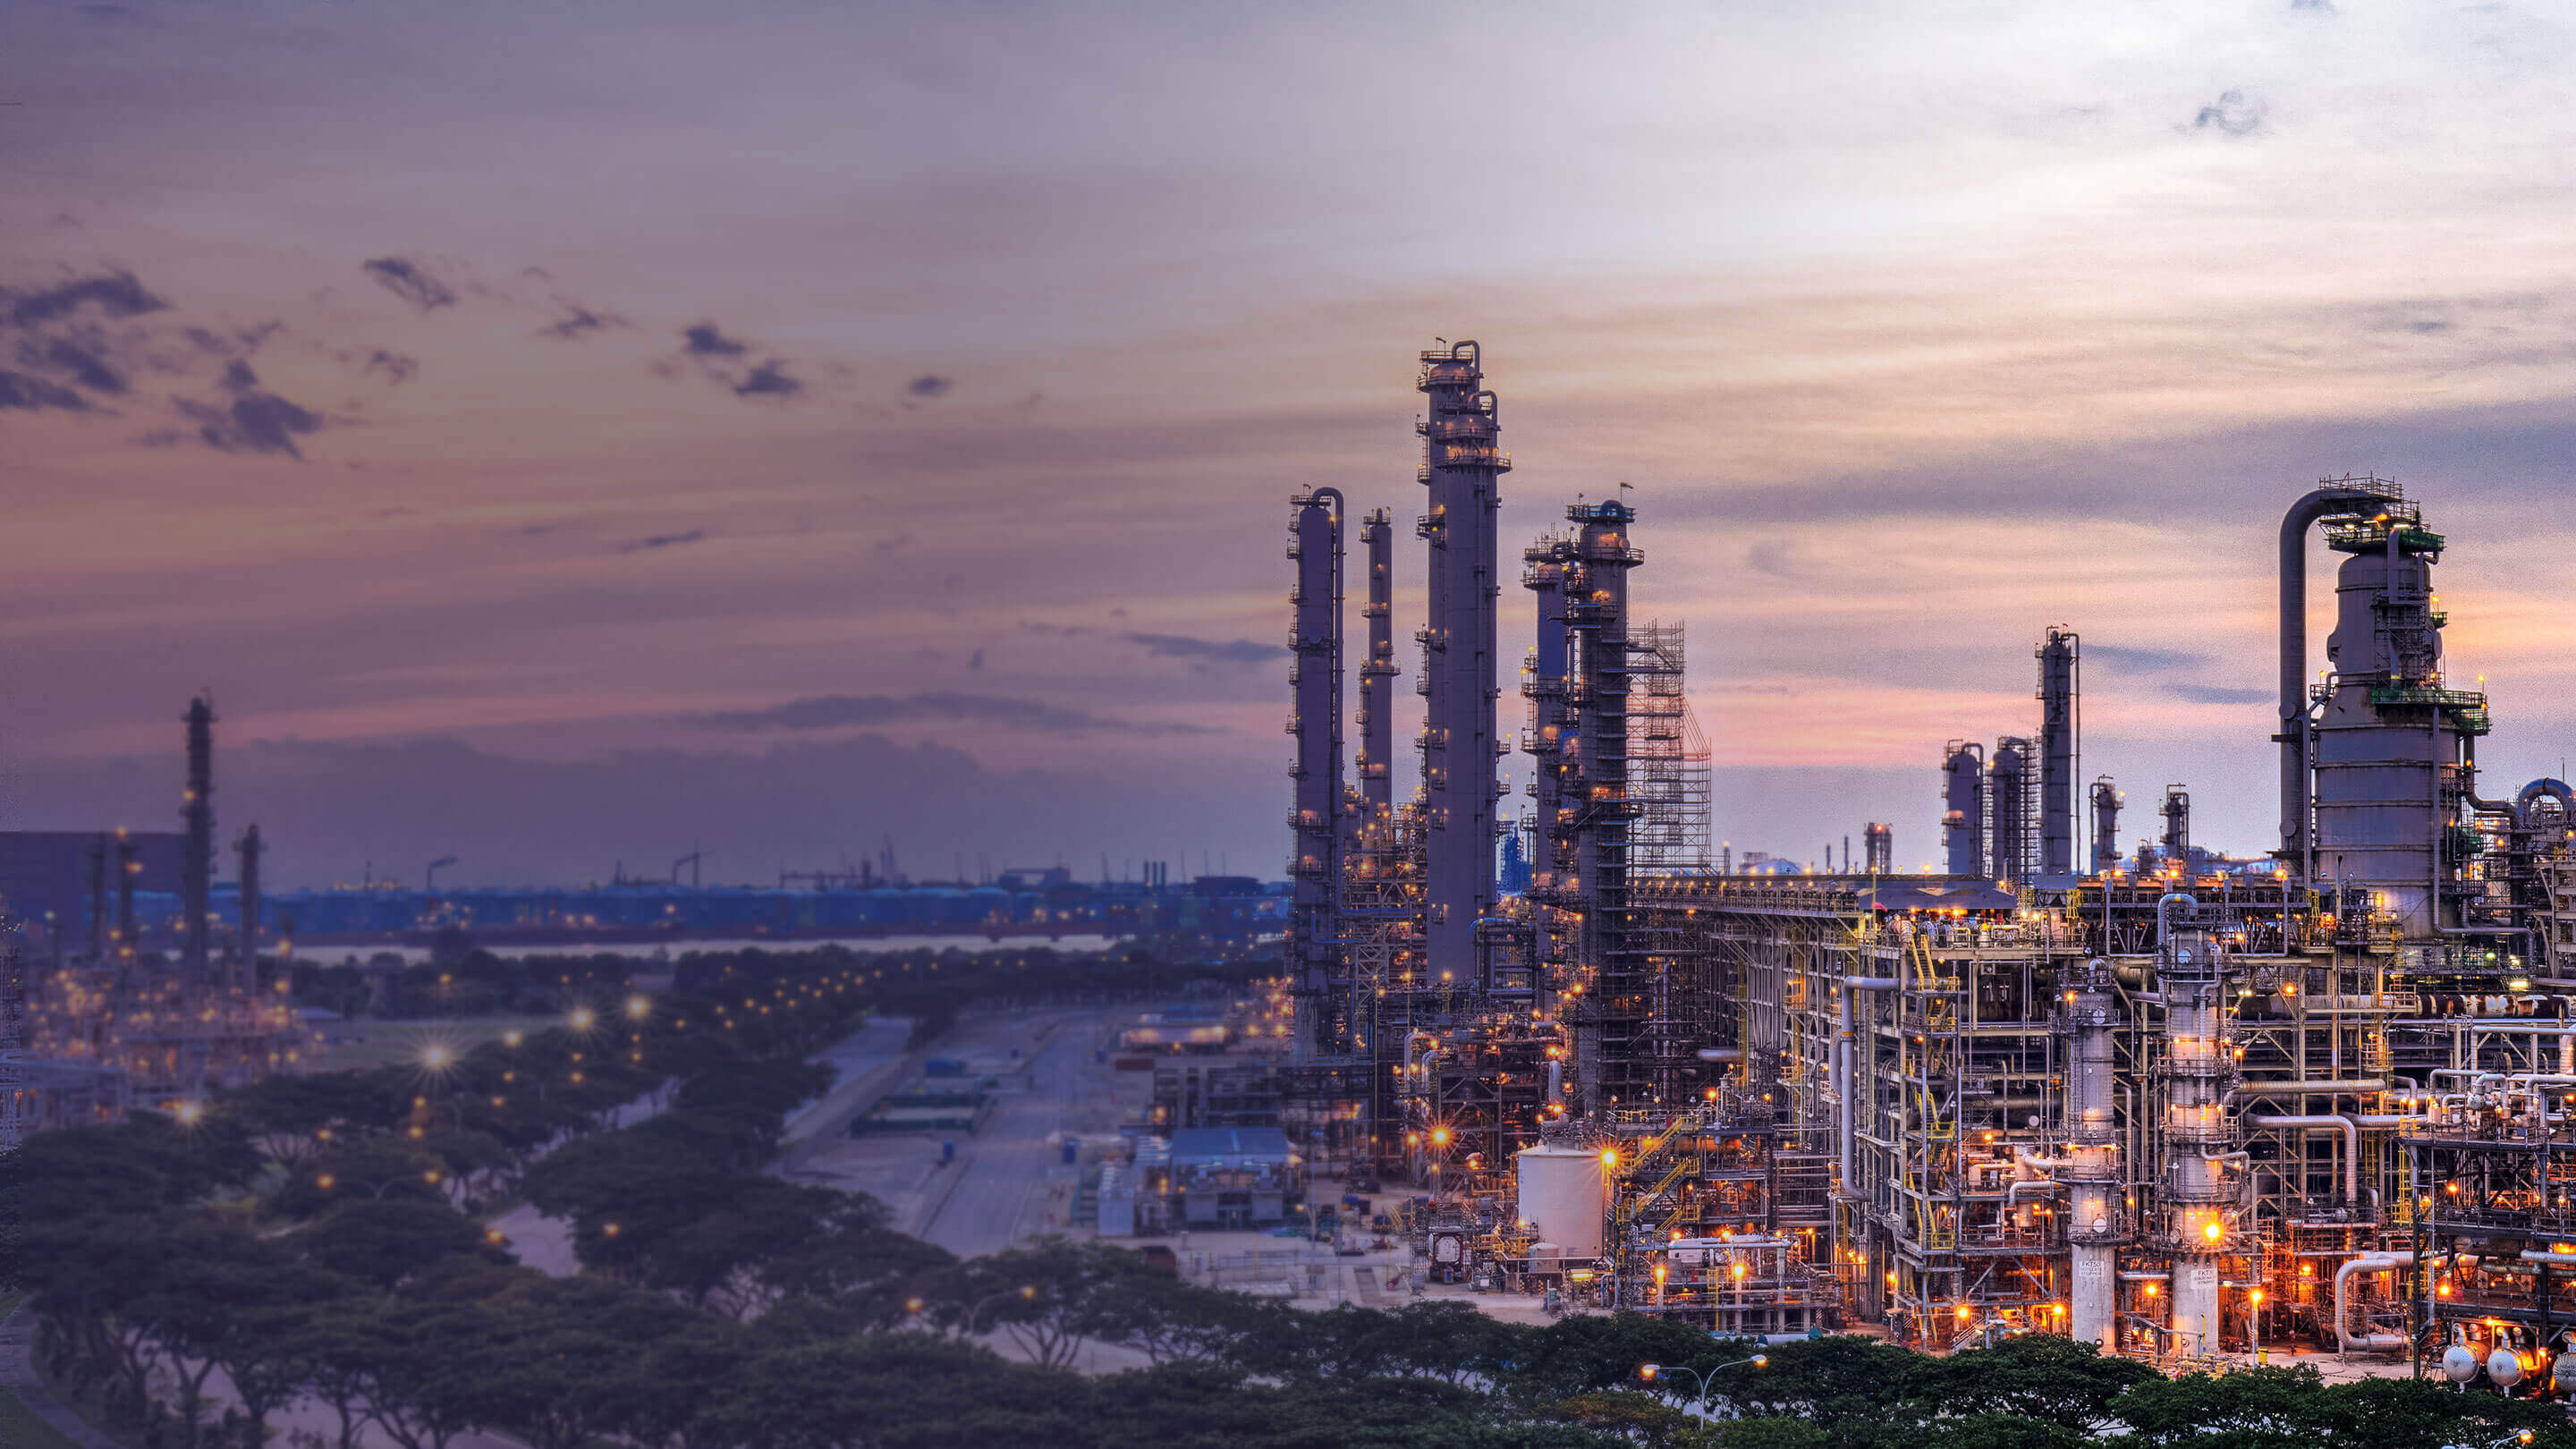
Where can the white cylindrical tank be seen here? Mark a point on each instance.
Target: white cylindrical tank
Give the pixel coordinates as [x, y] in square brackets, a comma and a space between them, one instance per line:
[1564, 1195]
[2504, 1368]
[2459, 1363]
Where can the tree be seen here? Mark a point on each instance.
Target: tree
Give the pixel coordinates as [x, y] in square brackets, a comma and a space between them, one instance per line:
[2264, 1408]
[1586, 1352]
[2035, 1375]
[1769, 1433]
[432, 1368]
[1829, 1380]
[388, 1240]
[912, 1390]
[1640, 1418]
[333, 1355]
[1051, 1297]
[212, 1300]
[1173, 1321]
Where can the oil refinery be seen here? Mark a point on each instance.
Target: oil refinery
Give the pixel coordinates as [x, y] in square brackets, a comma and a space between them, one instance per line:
[2174, 1104]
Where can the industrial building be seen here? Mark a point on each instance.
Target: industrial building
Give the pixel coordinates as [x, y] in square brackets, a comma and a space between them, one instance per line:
[102, 1020]
[2177, 1104]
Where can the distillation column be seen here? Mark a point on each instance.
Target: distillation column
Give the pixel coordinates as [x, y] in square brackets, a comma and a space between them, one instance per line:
[1963, 822]
[197, 865]
[2059, 749]
[1543, 571]
[250, 849]
[2392, 751]
[2106, 825]
[2008, 795]
[1879, 842]
[1315, 681]
[2177, 813]
[2332, 498]
[2200, 1131]
[1611, 1048]
[1377, 675]
[1463, 465]
[2092, 1172]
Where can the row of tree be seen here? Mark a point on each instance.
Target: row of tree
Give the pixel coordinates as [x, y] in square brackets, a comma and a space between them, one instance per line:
[324, 1241]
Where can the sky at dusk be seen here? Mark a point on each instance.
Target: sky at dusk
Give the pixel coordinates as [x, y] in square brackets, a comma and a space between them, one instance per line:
[560, 434]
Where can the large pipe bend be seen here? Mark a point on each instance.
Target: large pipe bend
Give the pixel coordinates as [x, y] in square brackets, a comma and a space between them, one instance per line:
[2363, 1263]
[2351, 1144]
[2323, 502]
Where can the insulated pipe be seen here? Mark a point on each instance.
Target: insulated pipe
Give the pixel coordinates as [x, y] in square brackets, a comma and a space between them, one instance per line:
[2332, 1087]
[2318, 503]
[1843, 1072]
[2345, 1338]
[2351, 1145]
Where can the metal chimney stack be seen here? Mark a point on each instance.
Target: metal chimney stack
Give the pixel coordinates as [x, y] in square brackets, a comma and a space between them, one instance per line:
[250, 848]
[197, 865]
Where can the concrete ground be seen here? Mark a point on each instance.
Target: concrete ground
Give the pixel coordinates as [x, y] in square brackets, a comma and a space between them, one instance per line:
[1008, 1182]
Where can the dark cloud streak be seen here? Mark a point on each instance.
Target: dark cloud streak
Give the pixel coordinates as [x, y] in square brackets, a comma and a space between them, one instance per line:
[706, 339]
[1183, 646]
[845, 711]
[117, 294]
[407, 280]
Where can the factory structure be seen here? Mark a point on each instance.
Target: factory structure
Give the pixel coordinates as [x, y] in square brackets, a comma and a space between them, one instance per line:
[106, 1017]
[2173, 1103]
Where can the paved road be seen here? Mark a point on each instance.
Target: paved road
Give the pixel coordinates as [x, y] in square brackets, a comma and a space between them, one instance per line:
[1010, 1158]
[865, 1065]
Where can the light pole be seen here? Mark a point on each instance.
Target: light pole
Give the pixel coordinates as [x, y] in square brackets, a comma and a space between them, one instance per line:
[2520, 1436]
[1649, 1372]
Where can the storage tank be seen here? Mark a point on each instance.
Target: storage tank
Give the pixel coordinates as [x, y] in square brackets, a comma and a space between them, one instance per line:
[1564, 1195]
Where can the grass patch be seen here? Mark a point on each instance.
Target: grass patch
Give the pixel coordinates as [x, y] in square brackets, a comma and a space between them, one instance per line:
[21, 1429]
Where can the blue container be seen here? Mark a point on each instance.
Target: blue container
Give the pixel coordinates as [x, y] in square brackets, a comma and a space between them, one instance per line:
[948, 1149]
[1072, 1152]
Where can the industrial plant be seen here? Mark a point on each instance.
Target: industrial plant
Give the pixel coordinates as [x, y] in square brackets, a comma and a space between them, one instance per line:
[2172, 1103]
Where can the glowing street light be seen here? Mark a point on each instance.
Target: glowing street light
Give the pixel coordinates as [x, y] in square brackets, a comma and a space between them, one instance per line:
[1649, 1372]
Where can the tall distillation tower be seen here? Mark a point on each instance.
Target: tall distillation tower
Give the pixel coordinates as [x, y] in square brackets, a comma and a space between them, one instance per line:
[1316, 872]
[1463, 464]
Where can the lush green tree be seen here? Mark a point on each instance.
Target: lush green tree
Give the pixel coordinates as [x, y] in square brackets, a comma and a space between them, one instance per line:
[1585, 1352]
[210, 1301]
[894, 1391]
[1050, 1297]
[2002, 1431]
[2390, 1413]
[2035, 1375]
[1173, 1321]
[2263, 1408]
[437, 1370]
[332, 1354]
[1639, 1418]
[388, 1240]
[1770, 1432]
[1830, 1380]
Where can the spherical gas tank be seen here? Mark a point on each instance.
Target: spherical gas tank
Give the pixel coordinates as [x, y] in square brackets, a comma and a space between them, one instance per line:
[2459, 1363]
[2504, 1368]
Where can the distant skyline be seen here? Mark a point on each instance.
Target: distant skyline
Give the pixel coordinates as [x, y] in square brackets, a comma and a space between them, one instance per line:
[562, 435]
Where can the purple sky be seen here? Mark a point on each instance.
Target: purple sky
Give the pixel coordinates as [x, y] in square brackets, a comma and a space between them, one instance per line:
[562, 433]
